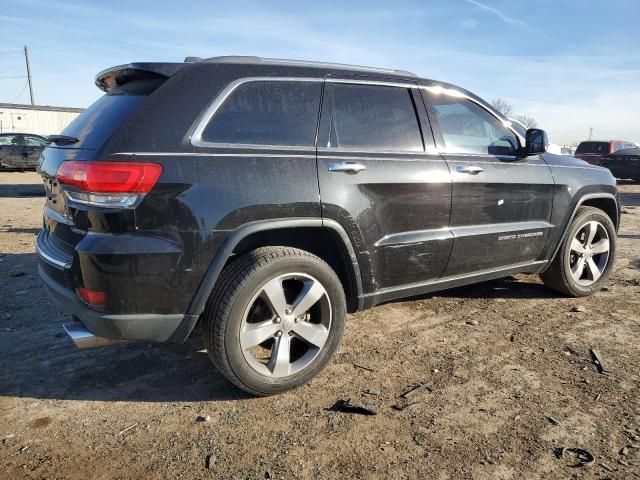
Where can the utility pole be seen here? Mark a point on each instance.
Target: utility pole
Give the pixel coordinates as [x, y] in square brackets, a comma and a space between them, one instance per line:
[26, 58]
[590, 133]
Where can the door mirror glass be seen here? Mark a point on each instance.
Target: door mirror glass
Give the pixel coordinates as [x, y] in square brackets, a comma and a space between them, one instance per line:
[536, 141]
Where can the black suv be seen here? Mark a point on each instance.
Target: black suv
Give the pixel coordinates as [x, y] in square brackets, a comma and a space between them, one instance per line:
[265, 199]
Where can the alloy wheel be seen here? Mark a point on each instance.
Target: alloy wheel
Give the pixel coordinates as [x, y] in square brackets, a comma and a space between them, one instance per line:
[589, 253]
[285, 325]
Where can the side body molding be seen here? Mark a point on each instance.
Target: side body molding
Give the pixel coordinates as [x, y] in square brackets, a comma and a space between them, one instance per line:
[236, 236]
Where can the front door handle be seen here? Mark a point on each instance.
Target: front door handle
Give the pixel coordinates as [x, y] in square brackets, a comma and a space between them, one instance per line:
[346, 167]
[470, 169]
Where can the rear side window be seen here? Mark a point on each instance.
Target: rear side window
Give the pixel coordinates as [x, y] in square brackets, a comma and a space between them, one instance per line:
[374, 117]
[601, 148]
[267, 113]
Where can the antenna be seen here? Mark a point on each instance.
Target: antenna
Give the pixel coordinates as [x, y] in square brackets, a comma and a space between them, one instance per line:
[26, 58]
[590, 133]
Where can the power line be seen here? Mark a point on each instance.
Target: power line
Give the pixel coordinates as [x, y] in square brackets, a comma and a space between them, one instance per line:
[21, 91]
[13, 76]
[10, 51]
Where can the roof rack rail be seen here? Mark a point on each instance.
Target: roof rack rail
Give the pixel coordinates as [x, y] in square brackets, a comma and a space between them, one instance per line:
[247, 59]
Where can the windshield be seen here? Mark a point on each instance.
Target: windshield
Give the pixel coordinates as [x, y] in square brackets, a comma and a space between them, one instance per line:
[601, 148]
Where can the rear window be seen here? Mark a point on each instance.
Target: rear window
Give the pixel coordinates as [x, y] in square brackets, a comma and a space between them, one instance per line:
[267, 113]
[601, 148]
[96, 124]
[374, 117]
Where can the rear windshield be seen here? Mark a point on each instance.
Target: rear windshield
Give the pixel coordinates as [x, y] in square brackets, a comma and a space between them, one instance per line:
[593, 147]
[96, 124]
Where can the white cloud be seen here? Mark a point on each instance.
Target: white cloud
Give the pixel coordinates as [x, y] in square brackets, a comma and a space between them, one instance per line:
[516, 22]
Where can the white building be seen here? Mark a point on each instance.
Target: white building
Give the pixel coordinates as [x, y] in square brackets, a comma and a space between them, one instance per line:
[38, 119]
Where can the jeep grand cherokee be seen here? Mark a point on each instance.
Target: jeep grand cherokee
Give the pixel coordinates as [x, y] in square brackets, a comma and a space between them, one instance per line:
[265, 199]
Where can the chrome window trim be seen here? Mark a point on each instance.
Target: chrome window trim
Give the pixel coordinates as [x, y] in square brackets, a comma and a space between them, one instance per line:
[378, 83]
[452, 92]
[215, 154]
[196, 137]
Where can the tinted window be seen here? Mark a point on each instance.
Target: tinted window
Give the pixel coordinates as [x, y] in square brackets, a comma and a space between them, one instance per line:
[601, 148]
[268, 113]
[96, 124]
[468, 128]
[36, 141]
[374, 117]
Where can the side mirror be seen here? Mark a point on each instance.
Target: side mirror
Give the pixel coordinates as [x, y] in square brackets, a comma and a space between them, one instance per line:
[536, 141]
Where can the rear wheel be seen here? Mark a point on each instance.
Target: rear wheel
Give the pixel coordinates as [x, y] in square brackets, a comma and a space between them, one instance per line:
[585, 258]
[274, 319]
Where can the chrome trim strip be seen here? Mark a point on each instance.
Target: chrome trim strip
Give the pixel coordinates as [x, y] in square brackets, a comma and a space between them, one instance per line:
[496, 228]
[417, 236]
[380, 83]
[203, 154]
[416, 158]
[51, 213]
[54, 262]
[196, 137]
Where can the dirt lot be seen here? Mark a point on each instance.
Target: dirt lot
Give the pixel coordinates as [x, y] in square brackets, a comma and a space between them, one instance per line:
[504, 395]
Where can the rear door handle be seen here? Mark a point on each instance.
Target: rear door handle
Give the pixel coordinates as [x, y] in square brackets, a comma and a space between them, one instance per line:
[346, 167]
[470, 169]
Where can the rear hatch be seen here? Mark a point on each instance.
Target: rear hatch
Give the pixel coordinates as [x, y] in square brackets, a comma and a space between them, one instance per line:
[127, 89]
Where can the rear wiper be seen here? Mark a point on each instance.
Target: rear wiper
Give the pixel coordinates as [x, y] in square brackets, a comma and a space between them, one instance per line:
[62, 139]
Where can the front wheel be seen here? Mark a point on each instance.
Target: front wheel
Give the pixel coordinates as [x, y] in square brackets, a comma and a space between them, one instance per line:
[274, 319]
[585, 258]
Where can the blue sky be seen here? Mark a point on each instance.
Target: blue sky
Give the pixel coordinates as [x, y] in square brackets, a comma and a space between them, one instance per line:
[571, 64]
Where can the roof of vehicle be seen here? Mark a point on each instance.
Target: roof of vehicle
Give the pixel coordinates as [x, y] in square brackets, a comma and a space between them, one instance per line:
[251, 60]
[628, 151]
[121, 74]
[606, 141]
[6, 134]
[118, 75]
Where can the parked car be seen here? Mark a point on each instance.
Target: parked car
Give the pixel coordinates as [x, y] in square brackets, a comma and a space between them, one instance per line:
[591, 151]
[265, 199]
[567, 151]
[21, 150]
[623, 163]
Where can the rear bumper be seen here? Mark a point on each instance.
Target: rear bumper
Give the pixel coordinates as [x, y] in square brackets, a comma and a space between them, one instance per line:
[54, 269]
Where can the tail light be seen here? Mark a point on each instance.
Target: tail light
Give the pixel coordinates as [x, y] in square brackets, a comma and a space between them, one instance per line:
[93, 297]
[107, 184]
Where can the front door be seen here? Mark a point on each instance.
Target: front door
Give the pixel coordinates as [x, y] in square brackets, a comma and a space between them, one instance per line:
[381, 178]
[501, 203]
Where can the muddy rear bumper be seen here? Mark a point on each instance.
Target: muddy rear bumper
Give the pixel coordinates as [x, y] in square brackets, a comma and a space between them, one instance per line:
[54, 269]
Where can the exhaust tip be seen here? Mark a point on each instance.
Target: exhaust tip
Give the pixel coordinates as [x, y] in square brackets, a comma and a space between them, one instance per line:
[83, 338]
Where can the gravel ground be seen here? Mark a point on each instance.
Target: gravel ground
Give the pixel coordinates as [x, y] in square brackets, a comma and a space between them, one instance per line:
[506, 368]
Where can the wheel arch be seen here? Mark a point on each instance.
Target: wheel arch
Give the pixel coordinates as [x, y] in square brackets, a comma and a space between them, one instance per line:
[323, 238]
[607, 202]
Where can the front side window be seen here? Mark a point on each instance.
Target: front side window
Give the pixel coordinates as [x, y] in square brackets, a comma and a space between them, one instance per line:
[466, 127]
[372, 117]
[281, 113]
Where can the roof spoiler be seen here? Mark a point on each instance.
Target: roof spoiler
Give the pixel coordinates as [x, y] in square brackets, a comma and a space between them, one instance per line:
[113, 77]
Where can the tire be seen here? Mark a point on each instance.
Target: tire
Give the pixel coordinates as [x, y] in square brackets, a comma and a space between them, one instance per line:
[243, 308]
[563, 272]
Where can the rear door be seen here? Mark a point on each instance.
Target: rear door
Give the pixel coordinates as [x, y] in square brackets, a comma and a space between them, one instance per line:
[501, 203]
[381, 178]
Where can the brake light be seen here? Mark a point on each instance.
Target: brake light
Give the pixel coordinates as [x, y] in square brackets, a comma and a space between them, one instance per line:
[93, 297]
[108, 184]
